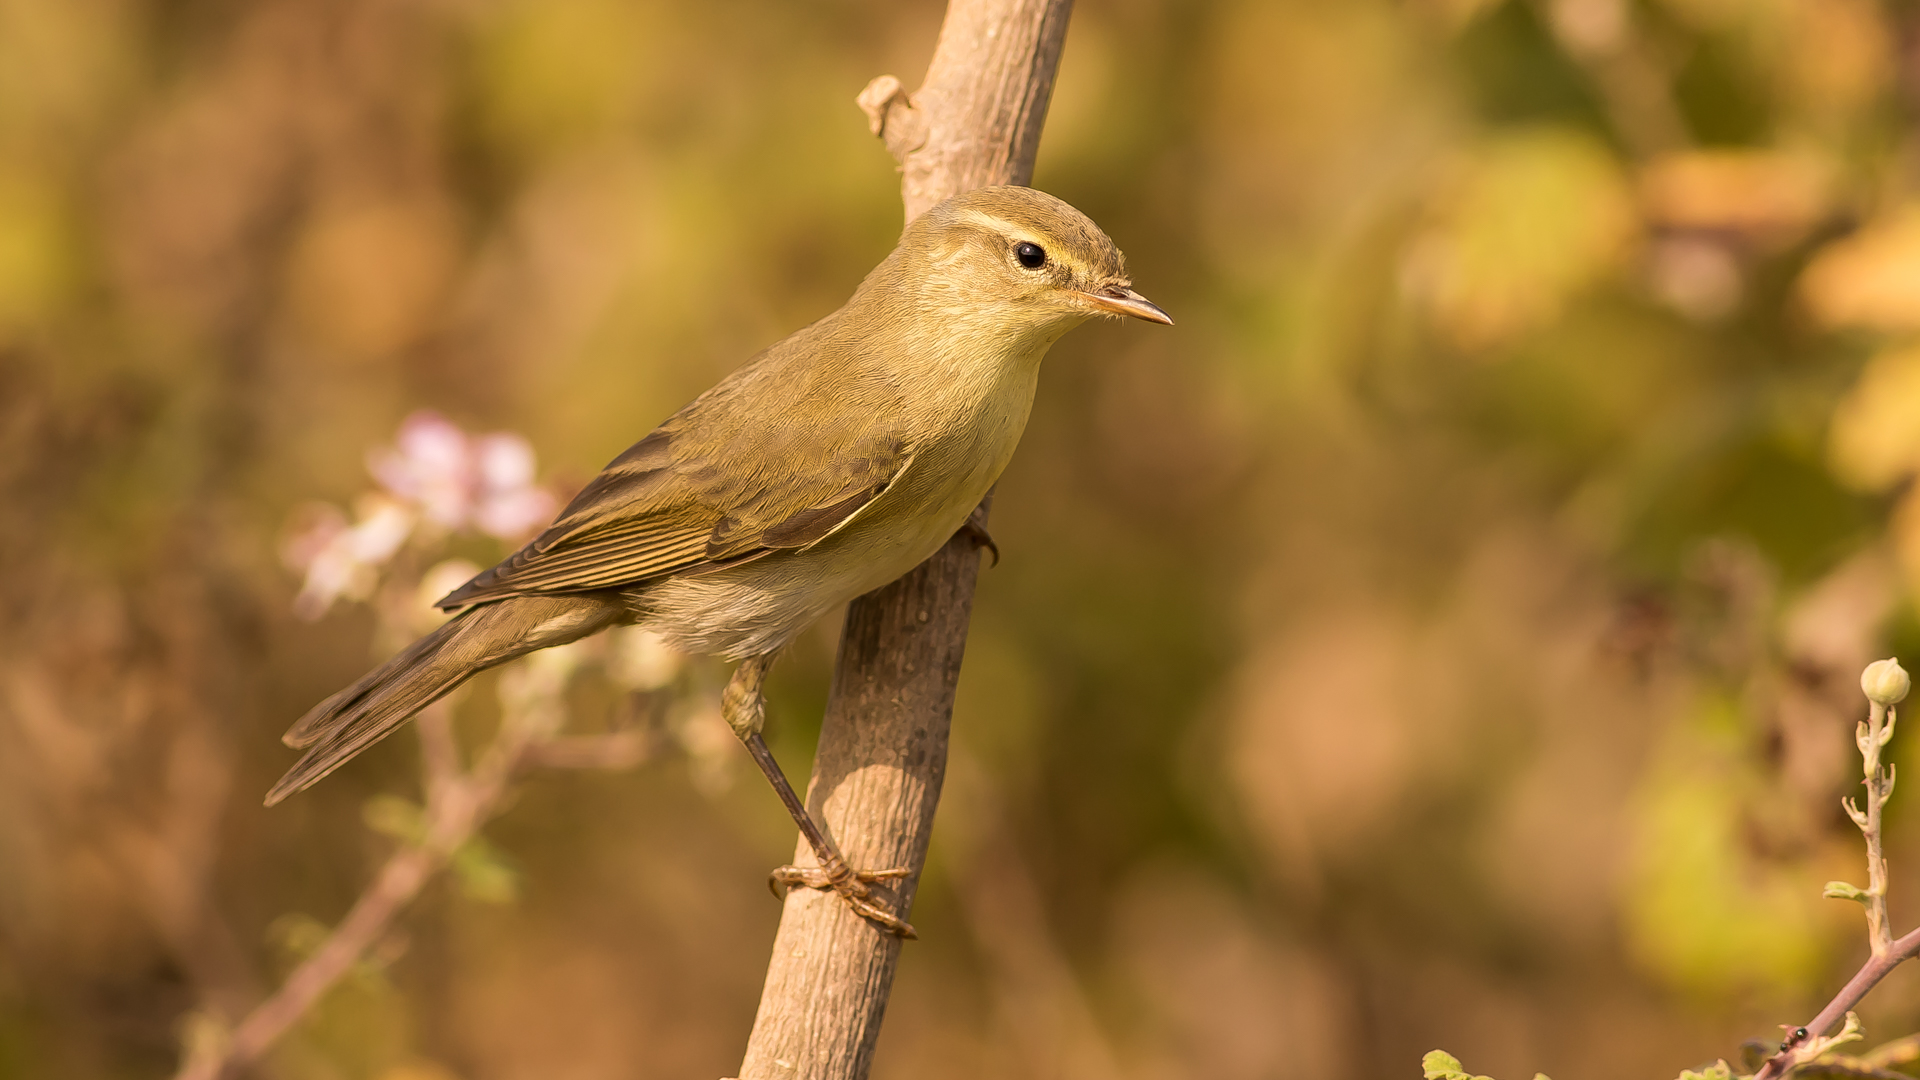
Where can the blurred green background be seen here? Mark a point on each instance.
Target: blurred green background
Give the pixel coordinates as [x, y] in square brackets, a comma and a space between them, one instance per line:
[1447, 635]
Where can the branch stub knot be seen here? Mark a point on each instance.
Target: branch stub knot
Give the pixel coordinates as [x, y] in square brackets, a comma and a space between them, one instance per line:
[891, 115]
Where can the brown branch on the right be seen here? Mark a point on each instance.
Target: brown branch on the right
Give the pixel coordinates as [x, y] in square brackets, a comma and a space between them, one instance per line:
[1886, 685]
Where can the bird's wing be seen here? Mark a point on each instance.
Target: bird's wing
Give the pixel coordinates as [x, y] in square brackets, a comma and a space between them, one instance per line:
[658, 510]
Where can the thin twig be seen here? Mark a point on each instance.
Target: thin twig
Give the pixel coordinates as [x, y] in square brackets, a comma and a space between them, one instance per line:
[458, 804]
[1871, 737]
[619, 750]
[1885, 952]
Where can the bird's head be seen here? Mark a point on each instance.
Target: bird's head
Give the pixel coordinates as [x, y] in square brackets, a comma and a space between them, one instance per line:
[1019, 255]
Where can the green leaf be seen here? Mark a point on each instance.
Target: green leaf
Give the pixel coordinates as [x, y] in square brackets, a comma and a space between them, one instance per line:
[1840, 890]
[1440, 1065]
[396, 817]
[486, 873]
[298, 934]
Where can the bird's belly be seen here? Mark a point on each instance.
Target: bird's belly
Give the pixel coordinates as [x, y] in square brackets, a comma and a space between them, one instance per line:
[759, 606]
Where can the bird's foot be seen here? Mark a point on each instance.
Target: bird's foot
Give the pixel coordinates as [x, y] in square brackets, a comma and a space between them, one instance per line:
[975, 529]
[851, 885]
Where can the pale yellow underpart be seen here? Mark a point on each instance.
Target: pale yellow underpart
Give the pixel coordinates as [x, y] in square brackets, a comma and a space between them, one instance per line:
[976, 409]
[564, 625]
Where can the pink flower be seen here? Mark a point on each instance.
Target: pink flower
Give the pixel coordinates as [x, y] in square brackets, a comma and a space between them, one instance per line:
[507, 503]
[433, 473]
[428, 466]
[459, 481]
[340, 559]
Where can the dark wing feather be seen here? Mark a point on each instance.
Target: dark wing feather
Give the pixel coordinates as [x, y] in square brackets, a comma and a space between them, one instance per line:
[654, 512]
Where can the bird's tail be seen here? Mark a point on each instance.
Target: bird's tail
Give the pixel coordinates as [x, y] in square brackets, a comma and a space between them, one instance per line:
[471, 642]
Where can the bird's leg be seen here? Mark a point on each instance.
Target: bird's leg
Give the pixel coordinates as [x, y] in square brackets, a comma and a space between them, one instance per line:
[745, 710]
[975, 529]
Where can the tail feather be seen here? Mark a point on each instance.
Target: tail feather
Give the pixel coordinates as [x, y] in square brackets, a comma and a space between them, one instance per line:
[478, 638]
[318, 721]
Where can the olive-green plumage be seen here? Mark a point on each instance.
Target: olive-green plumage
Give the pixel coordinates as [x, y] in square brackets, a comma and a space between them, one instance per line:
[828, 465]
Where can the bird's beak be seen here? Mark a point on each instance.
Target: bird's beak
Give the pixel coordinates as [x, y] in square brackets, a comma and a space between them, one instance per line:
[1121, 300]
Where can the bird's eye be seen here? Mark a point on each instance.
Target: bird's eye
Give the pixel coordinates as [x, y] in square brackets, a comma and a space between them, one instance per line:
[1031, 256]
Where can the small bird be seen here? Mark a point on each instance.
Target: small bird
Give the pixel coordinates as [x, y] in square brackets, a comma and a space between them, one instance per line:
[828, 465]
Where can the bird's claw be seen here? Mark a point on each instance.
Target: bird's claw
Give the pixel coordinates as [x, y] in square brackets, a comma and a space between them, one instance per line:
[851, 885]
[975, 529]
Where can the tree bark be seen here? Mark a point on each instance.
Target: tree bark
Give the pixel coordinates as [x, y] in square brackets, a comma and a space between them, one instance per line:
[883, 746]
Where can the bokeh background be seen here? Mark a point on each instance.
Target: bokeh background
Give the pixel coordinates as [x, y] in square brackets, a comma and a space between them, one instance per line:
[1445, 636]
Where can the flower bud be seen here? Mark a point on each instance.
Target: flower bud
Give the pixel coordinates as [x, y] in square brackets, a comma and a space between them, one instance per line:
[1885, 682]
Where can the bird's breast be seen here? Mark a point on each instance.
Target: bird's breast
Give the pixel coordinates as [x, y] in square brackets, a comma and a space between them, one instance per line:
[966, 435]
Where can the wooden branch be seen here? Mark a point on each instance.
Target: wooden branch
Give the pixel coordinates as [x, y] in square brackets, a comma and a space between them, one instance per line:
[976, 121]
[883, 745]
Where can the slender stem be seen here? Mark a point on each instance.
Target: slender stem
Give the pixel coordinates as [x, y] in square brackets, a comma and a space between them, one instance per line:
[400, 880]
[1886, 953]
[457, 804]
[1871, 737]
[618, 750]
[1864, 980]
